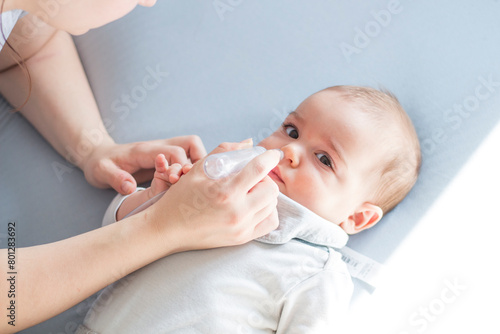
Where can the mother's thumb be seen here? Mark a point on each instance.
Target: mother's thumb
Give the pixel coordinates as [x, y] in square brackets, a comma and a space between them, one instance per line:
[120, 180]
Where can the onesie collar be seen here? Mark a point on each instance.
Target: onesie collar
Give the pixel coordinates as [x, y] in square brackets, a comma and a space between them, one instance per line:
[298, 222]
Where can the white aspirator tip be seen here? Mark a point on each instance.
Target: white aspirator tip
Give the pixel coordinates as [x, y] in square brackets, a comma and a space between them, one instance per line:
[226, 163]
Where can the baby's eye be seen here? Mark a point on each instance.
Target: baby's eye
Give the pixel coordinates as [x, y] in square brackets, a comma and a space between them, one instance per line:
[291, 131]
[324, 159]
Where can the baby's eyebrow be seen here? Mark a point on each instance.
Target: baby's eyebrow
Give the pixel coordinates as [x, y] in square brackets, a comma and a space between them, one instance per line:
[295, 114]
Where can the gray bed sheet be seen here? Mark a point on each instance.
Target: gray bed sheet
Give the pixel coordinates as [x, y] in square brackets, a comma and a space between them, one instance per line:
[230, 70]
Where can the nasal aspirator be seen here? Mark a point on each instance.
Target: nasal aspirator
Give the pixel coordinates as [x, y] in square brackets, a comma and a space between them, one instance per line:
[226, 163]
[217, 166]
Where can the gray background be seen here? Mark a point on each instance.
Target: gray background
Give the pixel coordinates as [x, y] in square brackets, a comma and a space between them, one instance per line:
[235, 75]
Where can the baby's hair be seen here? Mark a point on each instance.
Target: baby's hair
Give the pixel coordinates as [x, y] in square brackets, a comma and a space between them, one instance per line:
[398, 172]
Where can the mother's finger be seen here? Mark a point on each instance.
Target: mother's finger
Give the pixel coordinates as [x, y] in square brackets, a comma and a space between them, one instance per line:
[193, 145]
[110, 174]
[268, 224]
[145, 153]
[227, 146]
[264, 193]
[257, 169]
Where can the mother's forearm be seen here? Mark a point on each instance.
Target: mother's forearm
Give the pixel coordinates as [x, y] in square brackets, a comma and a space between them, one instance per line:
[61, 105]
[54, 277]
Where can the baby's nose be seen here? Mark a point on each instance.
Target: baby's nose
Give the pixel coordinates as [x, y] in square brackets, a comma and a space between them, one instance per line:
[291, 154]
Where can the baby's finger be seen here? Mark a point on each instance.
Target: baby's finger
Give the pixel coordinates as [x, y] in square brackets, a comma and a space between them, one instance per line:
[161, 163]
[186, 168]
[174, 172]
[176, 154]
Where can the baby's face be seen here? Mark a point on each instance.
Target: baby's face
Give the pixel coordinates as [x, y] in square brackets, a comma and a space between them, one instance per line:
[330, 151]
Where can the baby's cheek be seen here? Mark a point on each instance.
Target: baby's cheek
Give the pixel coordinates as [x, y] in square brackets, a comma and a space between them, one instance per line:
[294, 190]
[263, 143]
[308, 192]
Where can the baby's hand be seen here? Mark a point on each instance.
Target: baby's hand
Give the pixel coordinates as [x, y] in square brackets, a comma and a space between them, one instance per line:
[166, 175]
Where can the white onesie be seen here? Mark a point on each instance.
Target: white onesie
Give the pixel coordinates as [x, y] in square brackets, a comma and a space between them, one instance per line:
[9, 20]
[289, 281]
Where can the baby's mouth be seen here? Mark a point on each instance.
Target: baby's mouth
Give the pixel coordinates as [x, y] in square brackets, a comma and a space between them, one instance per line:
[276, 175]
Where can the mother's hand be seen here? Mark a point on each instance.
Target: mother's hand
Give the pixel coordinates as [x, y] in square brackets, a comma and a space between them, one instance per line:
[113, 165]
[208, 213]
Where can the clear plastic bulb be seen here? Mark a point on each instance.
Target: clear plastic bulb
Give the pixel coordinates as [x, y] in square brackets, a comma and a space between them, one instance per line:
[217, 166]
[226, 163]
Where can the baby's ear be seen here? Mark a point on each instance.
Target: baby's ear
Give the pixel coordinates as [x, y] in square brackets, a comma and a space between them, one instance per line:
[365, 217]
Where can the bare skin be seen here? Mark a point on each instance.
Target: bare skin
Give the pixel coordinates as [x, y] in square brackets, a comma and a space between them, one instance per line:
[63, 109]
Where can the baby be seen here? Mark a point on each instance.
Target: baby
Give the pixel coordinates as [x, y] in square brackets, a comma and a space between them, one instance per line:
[350, 155]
